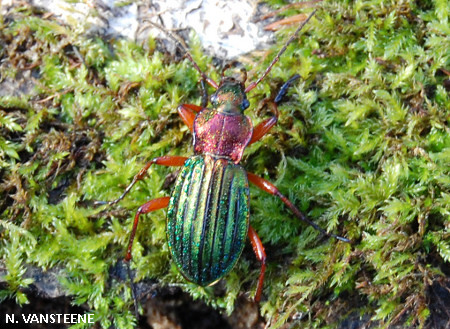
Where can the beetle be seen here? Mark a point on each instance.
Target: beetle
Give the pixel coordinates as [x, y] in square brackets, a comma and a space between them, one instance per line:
[209, 207]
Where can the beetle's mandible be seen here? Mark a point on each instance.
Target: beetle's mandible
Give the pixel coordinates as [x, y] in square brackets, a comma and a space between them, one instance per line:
[208, 210]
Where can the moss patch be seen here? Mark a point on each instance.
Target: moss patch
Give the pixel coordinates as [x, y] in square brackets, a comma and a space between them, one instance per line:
[362, 147]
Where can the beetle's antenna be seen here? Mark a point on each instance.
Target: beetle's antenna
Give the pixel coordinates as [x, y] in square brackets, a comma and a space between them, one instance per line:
[277, 57]
[210, 81]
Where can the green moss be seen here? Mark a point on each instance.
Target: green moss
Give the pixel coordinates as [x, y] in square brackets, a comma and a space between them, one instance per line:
[362, 147]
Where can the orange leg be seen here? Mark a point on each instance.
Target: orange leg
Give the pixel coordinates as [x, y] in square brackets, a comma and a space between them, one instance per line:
[147, 207]
[167, 160]
[187, 113]
[272, 189]
[263, 128]
[258, 248]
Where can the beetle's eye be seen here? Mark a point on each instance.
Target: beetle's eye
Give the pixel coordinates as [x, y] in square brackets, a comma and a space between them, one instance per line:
[245, 104]
[213, 99]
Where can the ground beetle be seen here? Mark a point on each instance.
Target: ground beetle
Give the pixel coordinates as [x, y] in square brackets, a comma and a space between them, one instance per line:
[208, 210]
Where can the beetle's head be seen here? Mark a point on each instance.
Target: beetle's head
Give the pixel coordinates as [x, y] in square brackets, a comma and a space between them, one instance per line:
[230, 97]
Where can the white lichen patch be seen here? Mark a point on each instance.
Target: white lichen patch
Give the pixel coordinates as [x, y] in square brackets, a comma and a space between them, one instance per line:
[226, 29]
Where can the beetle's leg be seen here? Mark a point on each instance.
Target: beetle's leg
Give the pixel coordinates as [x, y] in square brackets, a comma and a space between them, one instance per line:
[284, 88]
[258, 249]
[263, 128]
[167, 160]
[272, 189]
[147, 207]
[187, 113]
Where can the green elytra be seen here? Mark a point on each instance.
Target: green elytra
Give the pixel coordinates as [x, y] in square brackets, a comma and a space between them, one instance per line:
[208, 218]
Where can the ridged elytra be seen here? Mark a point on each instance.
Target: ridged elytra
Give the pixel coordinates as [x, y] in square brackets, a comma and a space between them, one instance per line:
[208, 218]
